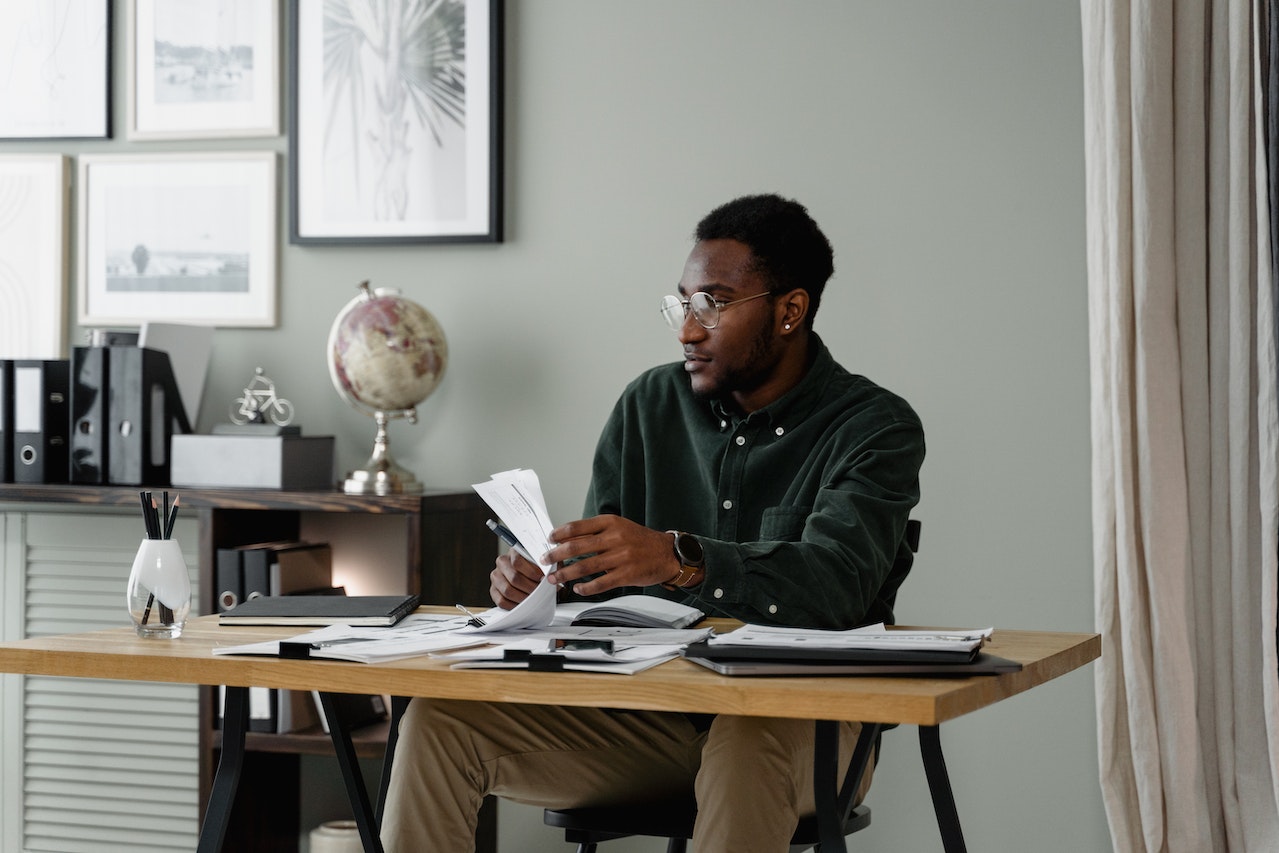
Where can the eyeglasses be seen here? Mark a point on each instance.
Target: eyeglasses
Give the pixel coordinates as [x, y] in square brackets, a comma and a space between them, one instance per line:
[705, 308]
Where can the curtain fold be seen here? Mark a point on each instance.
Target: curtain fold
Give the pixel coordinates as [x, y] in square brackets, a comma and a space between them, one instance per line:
[1182, 360]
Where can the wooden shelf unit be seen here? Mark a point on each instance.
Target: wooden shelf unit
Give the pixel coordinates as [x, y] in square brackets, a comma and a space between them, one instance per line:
[449, 552]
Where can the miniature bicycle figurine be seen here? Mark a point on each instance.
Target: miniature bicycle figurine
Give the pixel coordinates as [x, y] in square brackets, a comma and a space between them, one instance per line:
[260, 403]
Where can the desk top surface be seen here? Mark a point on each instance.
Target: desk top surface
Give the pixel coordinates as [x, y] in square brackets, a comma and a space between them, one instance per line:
[678, 685]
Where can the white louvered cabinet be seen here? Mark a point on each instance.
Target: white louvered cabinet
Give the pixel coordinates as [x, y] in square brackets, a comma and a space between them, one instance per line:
[89, 766]
[80, 768]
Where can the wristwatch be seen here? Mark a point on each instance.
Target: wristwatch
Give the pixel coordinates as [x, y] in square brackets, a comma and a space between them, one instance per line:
[692, 561]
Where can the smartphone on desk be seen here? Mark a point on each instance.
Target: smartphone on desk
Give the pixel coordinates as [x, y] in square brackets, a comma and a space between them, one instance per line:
[577, 644]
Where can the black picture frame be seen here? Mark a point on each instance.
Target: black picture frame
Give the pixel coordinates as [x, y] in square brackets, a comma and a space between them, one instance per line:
[74, 37]
[442, 183]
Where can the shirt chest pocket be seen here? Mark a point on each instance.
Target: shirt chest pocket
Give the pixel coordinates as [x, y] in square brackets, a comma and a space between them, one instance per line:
[783, 523]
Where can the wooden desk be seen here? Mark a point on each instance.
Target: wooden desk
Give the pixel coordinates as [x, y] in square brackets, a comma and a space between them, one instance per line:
[674, 686]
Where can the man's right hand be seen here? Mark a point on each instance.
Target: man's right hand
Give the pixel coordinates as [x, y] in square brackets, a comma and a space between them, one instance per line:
[512, 580]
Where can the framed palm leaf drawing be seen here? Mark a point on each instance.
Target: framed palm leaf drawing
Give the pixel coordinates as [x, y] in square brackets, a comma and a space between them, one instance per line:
[395, 121]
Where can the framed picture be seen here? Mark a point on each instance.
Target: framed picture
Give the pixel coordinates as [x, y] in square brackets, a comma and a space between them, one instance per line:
[33, 255]
[395, 121]
[56, 80]
[183, 238]
[203, 68]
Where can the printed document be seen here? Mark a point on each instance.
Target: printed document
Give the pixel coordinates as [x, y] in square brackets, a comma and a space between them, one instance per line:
[516, 497]
[867, 637]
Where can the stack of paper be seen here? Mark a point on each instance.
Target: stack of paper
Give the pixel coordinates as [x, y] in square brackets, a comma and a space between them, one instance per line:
[869, 637]
[516, 497]
[617, 658]
[416, 635]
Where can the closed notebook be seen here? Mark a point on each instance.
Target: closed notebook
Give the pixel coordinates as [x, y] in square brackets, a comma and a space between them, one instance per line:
[321, 610]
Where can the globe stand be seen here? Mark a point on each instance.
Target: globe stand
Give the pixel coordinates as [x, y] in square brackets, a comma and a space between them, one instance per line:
[381, 475]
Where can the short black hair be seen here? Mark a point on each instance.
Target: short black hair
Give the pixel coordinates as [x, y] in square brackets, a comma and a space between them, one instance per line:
[790, 250]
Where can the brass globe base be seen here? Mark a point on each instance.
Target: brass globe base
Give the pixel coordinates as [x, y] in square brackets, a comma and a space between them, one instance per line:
[381, 475]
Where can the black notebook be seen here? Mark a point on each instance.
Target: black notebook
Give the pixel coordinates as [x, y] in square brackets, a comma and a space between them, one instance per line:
[321, 610]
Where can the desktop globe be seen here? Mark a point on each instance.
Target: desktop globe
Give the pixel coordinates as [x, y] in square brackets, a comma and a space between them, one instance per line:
[386, 355]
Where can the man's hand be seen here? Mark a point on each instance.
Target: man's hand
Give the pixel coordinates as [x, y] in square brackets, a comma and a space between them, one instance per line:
[627, 553]
[512, 580]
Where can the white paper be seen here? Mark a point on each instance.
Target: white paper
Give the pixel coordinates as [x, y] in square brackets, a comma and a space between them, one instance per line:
[516, 497]
[410, 638]
[624, 660]
[536, 611]
[867, 637]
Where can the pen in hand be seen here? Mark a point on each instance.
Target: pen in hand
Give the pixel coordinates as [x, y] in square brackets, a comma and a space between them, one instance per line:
[508, 537]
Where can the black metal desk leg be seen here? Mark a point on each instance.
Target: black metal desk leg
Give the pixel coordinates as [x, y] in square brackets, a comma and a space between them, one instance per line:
[952, 837]
[830, 823]
[399, 704]
[217, 815]
[350, 765]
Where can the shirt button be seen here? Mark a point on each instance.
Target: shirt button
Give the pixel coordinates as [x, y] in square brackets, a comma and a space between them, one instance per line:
[741, 439]
[779, 431]
[728, 504]
[719, 593]
[772, 608]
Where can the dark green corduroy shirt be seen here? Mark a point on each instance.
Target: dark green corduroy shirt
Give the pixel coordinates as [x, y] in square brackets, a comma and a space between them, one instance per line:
[801, 506]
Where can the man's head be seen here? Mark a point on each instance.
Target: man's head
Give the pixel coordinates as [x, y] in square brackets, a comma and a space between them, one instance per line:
[789, 249]
[763, 263]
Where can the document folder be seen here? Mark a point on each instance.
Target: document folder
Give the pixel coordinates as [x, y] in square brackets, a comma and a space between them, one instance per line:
[41, 420]
[372, 610]
[6, 421]
[144, 410]
[89, 415]
[981, 664]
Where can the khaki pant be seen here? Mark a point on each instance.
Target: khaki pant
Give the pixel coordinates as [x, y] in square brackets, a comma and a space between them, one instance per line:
[752, 775]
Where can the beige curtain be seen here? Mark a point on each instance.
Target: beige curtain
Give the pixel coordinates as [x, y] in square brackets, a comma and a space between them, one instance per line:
[1183, 423]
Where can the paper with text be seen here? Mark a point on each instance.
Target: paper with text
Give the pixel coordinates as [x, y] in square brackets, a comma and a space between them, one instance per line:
[516, 497]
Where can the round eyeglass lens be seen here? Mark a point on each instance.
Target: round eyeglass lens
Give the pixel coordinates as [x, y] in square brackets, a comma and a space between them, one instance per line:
[705, 311]
[673, 312]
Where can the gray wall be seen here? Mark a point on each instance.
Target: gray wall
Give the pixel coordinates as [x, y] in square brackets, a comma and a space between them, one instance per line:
[939, 144]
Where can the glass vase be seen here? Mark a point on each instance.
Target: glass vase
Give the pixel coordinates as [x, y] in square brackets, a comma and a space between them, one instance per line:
[159, 593]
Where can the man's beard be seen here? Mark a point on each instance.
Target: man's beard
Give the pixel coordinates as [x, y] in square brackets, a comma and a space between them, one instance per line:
[756, 369]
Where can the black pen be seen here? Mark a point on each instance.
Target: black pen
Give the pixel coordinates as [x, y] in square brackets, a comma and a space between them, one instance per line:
[508, 537]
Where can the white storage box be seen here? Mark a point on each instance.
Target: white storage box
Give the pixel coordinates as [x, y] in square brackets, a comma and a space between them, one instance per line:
[253, 461]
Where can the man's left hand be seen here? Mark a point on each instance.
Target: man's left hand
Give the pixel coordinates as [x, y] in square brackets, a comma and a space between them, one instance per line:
[627, 554]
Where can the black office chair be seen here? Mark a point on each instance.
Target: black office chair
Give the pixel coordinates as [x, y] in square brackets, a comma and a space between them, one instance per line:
[673, 819]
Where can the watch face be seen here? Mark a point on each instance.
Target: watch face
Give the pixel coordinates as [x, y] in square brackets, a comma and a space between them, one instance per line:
[690, 550]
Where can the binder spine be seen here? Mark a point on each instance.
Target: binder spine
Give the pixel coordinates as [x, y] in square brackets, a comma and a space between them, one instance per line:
[229, 578]
[88, 440]
[6, 421]
[41, 420]
[143, 410]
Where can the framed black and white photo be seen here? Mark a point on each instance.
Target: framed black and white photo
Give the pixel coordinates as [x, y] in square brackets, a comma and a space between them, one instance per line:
[185, 238]
[203, 68]
[33, 255]
[55, 81]
[395, 121]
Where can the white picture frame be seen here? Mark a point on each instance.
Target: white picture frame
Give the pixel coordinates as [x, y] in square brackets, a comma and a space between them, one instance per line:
[203, 69]
[395, 146]
[34, 203]
[57, 61]
[182, 238]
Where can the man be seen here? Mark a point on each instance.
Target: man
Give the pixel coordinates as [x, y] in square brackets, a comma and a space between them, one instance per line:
[757, 479]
